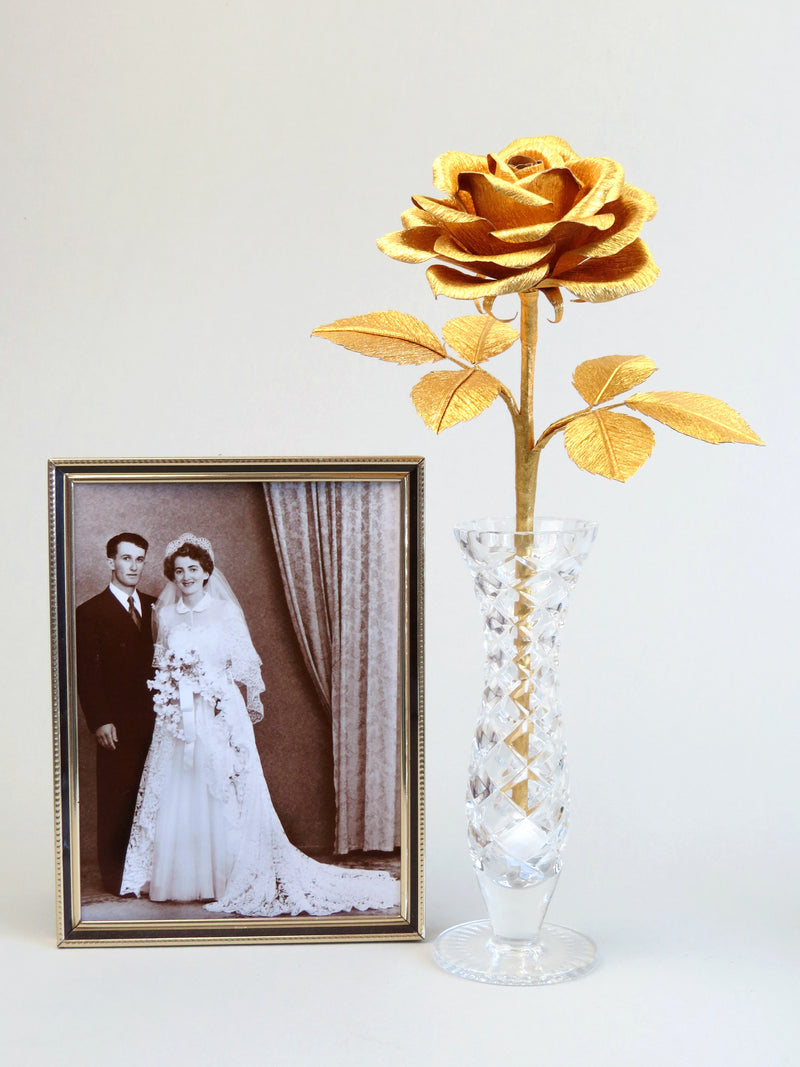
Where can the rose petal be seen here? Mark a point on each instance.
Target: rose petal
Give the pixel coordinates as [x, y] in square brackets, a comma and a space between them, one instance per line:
[525, 191]
[632, 210]
[553, 151]
[448, 166]
[649, 199]
[571, 238]
[466, 202]
[446, 248]
[450, 210]
[507, 206]
[470, 231]
[415, 217]
[446, 281]
[598, 280]
[519, 235]
[603, 180]
[566, 235]
[524, 235]
[558, 185]
[501, 169]
[410, 246]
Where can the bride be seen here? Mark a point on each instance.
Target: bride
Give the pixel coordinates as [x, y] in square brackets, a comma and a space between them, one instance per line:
[204, 826]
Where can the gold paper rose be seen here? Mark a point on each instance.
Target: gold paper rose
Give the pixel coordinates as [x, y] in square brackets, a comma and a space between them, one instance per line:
[533, 216]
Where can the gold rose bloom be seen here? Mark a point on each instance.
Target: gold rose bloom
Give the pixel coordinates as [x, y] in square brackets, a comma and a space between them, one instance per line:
[534, 216]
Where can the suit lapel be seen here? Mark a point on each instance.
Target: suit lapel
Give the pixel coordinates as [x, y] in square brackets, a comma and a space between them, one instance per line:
[113, 607]
[147, 614]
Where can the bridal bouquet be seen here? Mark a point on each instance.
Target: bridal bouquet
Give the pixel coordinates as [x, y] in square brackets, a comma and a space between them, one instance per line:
[533, 217]
[178, 676]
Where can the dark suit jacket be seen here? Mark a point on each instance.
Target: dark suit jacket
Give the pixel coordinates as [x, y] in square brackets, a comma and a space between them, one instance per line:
[114, 662]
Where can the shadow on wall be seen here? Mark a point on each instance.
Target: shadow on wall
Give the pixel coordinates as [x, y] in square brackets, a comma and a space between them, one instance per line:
[294, 739]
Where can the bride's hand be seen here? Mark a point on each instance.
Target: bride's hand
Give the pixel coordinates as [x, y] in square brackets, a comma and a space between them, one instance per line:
[106, 735]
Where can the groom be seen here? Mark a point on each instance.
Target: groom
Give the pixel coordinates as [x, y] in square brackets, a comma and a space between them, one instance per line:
[114, 663]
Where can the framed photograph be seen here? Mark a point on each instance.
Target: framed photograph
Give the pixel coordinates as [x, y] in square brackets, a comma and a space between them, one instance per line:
[238, 699]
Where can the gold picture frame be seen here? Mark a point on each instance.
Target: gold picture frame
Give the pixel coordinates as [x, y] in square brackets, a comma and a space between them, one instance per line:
[248, 509]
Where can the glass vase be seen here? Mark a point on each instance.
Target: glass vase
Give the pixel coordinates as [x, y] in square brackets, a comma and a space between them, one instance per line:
[518, 794]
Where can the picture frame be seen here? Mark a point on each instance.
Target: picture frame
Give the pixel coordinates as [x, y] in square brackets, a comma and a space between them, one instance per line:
[325, 560]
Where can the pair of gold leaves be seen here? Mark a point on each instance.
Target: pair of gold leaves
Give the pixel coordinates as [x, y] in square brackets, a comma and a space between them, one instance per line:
[598, 440]
[442, 398]
[607, 442]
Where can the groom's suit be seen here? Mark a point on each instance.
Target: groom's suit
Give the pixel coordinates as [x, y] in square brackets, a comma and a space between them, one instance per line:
[114, 661]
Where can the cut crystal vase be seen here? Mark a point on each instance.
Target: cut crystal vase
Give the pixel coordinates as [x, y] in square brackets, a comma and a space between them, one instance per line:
[518, 794]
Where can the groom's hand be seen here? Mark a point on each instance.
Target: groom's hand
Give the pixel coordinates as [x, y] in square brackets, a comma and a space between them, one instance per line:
[106, 735]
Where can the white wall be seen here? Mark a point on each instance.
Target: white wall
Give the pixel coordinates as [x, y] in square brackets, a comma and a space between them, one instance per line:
[188, 189]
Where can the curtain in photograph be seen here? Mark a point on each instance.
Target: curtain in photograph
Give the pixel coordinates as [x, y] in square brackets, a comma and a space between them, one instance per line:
[338, 546]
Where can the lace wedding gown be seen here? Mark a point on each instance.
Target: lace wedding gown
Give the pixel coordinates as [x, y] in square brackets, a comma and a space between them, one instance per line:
[205, 827]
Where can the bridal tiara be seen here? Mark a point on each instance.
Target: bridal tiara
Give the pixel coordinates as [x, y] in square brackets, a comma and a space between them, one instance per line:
[189, 539]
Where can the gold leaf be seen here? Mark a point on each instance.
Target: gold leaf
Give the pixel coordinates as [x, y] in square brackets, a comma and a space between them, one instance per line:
[696, 415]
[605, 442]
[444, 398]
[388, 335]
[479, 337]
[600, 379]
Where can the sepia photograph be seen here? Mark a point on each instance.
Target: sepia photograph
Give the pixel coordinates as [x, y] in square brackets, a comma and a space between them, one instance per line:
[237, 678]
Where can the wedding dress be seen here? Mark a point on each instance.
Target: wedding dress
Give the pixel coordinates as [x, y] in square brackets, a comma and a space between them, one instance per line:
[205, 827]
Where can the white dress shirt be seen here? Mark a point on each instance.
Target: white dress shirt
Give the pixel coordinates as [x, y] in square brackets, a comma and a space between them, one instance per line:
[122, 597]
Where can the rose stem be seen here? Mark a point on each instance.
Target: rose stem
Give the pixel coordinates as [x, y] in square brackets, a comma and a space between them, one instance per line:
[527, 464]
[526, 456]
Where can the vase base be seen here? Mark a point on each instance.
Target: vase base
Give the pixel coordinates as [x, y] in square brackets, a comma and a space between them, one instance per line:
[470, 951]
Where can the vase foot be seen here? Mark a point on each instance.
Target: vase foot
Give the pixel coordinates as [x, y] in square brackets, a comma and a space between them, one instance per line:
[470, 951]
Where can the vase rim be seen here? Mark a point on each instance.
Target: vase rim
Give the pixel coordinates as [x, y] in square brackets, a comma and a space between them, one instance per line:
[545, 524]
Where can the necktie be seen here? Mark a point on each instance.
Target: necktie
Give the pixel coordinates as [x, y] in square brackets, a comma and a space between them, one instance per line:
[134, 614]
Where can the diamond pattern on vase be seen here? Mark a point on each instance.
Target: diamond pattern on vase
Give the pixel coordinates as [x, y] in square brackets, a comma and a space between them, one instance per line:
[494, 814]
[479, 785]
[486, 736]
[502, 765]
[518, 796]
[530, 742]
[525, 841]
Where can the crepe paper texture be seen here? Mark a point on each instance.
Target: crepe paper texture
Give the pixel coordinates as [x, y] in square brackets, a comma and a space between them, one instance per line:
[532, 217]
